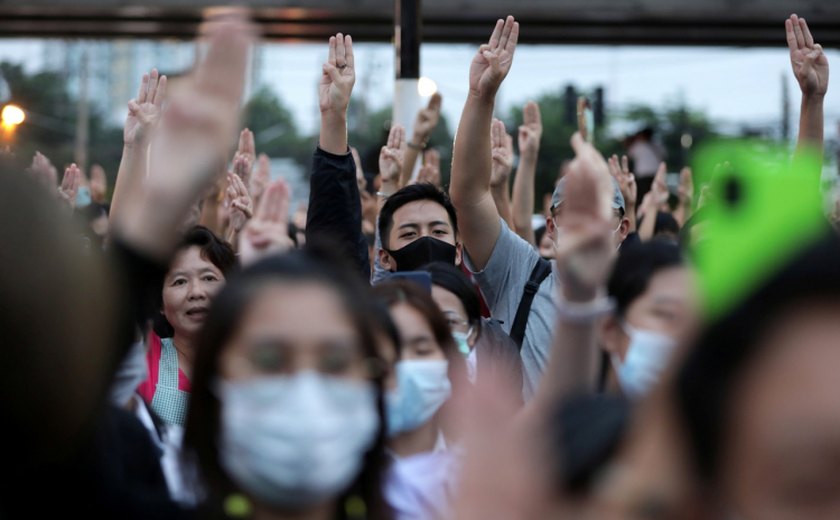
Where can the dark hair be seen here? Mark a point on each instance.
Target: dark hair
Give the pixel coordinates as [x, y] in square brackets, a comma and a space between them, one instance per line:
[455, 281]
[710, 373]
[538, 235]
[411, 193]
[636, 264]
[666, 223]
[213, 249]
[225, 315]
[394, 292]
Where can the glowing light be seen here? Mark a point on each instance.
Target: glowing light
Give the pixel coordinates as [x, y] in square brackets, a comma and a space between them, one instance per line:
[12, 116]
[426, 87]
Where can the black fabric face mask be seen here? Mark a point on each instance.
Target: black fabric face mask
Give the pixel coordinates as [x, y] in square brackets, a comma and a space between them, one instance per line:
[421, 252]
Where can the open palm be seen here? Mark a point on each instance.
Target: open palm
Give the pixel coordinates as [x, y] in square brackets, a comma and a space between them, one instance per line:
[810, 65]
[338, 76]
[493, 60]
[144, 111]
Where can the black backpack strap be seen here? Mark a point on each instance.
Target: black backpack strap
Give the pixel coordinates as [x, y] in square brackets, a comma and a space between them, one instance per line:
[540, 272]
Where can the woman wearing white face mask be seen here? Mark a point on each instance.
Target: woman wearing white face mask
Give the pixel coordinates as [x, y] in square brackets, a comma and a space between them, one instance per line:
[490, 353]
[286, 415]
[652, 288]
[429, 372]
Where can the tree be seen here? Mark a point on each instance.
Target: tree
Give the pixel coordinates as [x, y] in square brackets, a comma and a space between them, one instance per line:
[274, 127]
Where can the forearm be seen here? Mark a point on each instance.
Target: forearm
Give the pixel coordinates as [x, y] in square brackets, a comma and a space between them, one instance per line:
[523, 197]
[471, 162]
[682, 213]
[132, 170]
[333, 137]
[501, 197]
[409, 160]
[811, 123]
[648, 224]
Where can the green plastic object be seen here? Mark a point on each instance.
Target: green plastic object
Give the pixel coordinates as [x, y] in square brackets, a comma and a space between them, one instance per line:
[762, 205]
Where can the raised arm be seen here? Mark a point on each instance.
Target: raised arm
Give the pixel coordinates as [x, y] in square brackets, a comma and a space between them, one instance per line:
[651, 203]
[530, 133]
[425, 123]
[336, 85]
[471, 163]
[584, 257]
[501, 151]
[335, 207]
[620, 170]
[196, 132]
[810, 67]
[144, 113]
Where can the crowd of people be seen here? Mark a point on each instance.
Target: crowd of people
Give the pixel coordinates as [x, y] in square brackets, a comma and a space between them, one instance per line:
[187, 347]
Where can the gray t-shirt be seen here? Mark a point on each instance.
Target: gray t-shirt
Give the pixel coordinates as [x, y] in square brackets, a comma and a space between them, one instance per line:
[502, 281]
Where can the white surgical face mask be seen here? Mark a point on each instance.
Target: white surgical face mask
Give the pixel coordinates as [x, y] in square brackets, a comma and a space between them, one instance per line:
[644, 362]
[295, 441]
[422, 388]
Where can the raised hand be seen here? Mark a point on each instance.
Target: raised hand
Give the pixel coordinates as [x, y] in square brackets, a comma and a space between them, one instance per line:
[430, 171]
[247, 151]
[43, 171]
[268, 231]
[426, 121]
[620, 171]
[238, 199]
[584, 249]
[338, 76]
[502, 153]
[144, 111]
[810, 65]
[98, 184]
[494, 59]
[261, 177]
[530, 131]
[361, 182]
[391, 155]
[70, 185]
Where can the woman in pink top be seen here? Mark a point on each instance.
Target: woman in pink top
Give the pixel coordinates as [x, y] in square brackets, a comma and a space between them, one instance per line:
[197, 272]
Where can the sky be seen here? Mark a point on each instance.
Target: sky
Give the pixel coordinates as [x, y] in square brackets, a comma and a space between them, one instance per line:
[731, 85]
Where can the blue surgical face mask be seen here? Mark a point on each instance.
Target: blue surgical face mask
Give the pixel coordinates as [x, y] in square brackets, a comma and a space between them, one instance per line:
[422, 388]
[294, 441]
[646, 359]
[83, 197]
[462, 340]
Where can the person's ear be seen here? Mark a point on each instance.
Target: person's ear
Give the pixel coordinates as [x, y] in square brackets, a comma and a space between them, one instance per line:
[550, 227]
[473, 336]
[459, 249]
[611, 336]
[624, 228]
[386, 261]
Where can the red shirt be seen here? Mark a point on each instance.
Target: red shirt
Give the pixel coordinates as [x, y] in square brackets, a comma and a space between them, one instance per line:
[147, 387]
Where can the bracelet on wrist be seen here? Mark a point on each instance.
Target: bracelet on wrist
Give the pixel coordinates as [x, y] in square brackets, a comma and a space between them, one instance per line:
[415, 146]
[586, 311]
[383, 194]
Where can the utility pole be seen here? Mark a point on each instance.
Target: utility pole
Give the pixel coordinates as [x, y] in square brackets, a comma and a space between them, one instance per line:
[408, 34]
[82, 114]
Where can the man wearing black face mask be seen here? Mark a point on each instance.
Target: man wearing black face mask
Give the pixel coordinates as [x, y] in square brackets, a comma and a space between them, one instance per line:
[418, 225]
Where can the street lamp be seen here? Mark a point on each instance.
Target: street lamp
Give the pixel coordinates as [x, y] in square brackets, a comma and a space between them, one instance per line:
[11, 117]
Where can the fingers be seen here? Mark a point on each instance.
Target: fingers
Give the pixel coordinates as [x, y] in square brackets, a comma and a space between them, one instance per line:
[531, 114]
[331, 55]
[507, 28]
[797, 31]
[222, 72]
[579, 144]
[160, 93]
[435, 102]
[514, 38]
[432, 158]
[497, 128]
[497, 34]
[348, 52]
[153, 85]
[625, 165]
[331, 71]
[340, 59]
[661, 171]
[246, 143]
[508, 144]
[399, 137]
[806, 32]
[144, 88]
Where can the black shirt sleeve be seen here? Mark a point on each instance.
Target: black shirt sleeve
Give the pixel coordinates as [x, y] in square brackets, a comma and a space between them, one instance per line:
[335, 208]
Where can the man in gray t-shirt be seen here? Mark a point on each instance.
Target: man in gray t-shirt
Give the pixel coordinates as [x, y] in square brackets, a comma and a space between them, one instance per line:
[503, 279]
